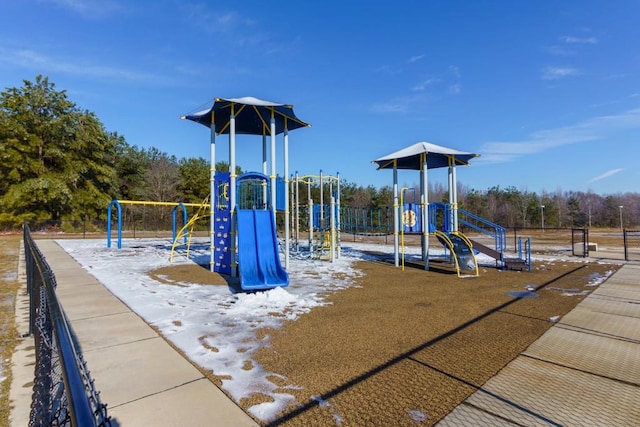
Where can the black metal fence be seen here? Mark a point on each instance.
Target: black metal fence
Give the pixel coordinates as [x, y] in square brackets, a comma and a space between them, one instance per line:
[580, 242]
[63, 392]
[631, 245]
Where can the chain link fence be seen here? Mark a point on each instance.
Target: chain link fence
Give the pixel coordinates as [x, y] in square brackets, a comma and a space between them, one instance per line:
[63, 392]
[632, 245]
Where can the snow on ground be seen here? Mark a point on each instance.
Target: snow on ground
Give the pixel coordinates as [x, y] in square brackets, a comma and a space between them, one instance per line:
[9, 276]
[214, 327]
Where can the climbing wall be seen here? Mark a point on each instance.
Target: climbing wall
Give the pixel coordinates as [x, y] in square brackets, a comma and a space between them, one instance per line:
[222, 229]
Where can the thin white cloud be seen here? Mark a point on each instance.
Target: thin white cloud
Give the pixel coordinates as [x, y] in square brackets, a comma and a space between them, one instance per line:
[90, 8]
[579, 40]
[214, 22]
[41, 63]
[568, 44]
[239, 30]
[388, 69]
[399, 104]
[454, 88]
[594, 129]
[554, 73]
[423, 85]
[559, 50]
[490, 158]
[233, 30]
[606, 175]
[416, 58]
[389, 107]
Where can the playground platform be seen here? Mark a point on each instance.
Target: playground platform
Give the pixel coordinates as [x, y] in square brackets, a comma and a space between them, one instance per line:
[585, 370]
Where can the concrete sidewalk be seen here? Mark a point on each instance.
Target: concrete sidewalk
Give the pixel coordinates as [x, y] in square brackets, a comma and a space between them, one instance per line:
[143, 380]
[584, 371]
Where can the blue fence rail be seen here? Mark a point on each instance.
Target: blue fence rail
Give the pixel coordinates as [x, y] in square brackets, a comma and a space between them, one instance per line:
[364, 221]
[63, 392]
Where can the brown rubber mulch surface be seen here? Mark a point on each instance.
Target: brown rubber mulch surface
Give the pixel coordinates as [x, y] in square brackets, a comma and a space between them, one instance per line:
[406, 347]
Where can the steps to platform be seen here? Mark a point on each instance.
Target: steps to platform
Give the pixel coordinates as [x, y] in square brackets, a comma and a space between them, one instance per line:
[515, 264]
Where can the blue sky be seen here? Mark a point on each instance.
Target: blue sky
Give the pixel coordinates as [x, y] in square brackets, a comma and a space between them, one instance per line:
[546, 91]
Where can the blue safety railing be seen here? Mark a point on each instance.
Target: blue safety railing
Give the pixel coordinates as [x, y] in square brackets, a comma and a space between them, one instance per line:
[440, 217]
[524, 250]
[481, 225]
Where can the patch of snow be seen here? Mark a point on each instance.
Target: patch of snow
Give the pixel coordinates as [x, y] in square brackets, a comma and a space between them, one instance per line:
[418, 416]
[325, 404]
[596, 279]
[214, 327]
[10, 276]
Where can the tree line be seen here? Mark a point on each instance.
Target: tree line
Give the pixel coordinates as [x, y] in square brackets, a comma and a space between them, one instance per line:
[514, 208]
[59, 164]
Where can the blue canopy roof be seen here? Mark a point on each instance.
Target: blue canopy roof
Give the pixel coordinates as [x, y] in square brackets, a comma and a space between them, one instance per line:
[253, 116]
[411, 157]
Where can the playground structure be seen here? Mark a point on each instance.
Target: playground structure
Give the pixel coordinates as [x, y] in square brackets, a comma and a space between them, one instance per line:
[243, 239]
[439, 219]
[379, 222]
[322, 219]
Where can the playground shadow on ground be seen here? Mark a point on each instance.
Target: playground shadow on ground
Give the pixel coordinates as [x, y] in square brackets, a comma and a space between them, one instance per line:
[438, 265]
[407, 347]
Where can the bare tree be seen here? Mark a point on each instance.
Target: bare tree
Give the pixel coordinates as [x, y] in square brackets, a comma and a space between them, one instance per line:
[162, 180]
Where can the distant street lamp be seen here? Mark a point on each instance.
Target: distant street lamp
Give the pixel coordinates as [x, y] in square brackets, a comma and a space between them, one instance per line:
[542, 217]
[621, 224]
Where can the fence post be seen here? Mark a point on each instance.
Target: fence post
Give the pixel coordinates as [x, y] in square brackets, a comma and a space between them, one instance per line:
[586, 242]
[624, 239]
[28, 260]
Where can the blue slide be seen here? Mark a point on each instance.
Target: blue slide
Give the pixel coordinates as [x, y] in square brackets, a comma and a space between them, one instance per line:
[258, 257]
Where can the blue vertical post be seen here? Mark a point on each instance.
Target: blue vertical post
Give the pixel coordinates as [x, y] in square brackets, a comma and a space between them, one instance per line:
[117, 205]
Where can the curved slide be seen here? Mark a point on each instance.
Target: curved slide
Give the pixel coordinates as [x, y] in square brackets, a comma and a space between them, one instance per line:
[258, 258]
[461, 248]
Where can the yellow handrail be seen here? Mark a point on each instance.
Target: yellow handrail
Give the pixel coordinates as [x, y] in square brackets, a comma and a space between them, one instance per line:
[188, 227]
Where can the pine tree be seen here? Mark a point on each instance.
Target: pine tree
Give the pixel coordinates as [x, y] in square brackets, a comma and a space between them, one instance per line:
[57, 160]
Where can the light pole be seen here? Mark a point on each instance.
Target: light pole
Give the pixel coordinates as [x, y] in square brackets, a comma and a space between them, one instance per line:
[621, 224]
[542, 217]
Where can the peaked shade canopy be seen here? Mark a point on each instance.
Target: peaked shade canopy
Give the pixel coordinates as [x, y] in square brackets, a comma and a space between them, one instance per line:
[437, 157]
[253, 116]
